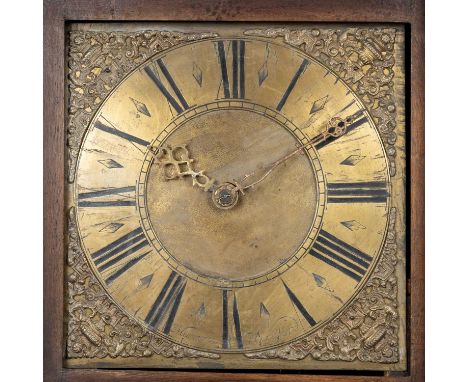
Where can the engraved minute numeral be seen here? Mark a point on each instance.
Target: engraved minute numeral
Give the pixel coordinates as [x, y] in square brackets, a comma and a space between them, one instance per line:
[351, 127]
[340, 255]
[109, 197]
[236, 321]
[292, 84]
[117, 251]
[166, 305]
[360, 192]
[299, 305]
[234, 87]
[107, 128]
[179, 104]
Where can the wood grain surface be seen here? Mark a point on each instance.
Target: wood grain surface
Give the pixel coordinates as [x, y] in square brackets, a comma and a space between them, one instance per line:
[58, 13]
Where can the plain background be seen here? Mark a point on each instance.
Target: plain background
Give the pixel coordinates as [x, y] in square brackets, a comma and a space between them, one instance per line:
[446, 190]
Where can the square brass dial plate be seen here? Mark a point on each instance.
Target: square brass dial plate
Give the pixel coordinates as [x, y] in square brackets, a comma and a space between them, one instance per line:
[304, 269]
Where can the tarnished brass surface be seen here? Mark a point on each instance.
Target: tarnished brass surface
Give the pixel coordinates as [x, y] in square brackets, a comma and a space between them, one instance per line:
[237, 197]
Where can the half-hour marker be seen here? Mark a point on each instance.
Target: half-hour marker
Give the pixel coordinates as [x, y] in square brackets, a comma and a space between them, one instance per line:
[110, 163]
[340, 255]
[264, 311]
[319, 104]
[319, 280]
[352, 160]
[112, 227]
[360, 192]
[119, 249]
[141, 107]
[351, 127]
[121, 134]
[125, 197]
[238, 75]
[145, 281]
[299, 305]
[167, 303]
[201, 312]
[292, 84]
[197, 74]
[180, 104]
[125, 268]
[353, 225]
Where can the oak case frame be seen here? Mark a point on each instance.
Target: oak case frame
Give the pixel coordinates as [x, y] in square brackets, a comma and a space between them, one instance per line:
[58, 12]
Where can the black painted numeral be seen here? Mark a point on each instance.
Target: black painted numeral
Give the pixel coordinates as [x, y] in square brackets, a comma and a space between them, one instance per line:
[360, 192]
[292, 84]
[118, 133]
[340, 255]
[125, 267]
[165, 307]
[225, 320]
[96, 198]
[179, 104]
[119, 249]
[299, 305]
[236, 321]
[237, 88]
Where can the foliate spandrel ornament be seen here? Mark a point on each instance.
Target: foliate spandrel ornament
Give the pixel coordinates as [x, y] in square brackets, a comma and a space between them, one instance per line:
[367, 330]
[97, 62]
[96, 327]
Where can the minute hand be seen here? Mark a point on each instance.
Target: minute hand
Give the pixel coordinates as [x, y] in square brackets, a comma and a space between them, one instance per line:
[335, 128]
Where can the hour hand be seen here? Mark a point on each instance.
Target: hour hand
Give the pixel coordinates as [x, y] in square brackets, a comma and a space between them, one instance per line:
[176, 164]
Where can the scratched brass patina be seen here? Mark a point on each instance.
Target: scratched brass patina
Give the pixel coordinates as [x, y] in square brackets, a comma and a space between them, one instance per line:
[236, 197]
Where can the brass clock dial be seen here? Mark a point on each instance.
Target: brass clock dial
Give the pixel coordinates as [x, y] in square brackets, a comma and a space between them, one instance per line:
[232, 195]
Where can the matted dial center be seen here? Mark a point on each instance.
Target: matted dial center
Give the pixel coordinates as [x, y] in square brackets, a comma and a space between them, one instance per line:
[223, 237]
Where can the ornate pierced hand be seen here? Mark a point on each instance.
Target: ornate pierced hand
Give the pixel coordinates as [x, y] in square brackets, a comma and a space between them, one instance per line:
[176, 163]
[335, 128]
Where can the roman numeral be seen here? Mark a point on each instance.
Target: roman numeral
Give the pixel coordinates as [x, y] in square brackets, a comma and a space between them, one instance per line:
[299, 305]
[119, 250]
[292, 84]
[351, 127]
[237, 327]
[124, 268]
[167, 303]
[236, 321]
[238, 74]
[119, 192]
[336, 253]
[225, 320]
[361, 192]
[180, 104]
[118, 133]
